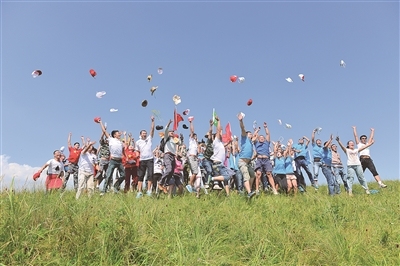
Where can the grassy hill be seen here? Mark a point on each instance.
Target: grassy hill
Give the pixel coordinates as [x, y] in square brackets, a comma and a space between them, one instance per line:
[306, 229]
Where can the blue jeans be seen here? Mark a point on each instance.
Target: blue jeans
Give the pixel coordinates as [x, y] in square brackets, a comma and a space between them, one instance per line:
[207, 164]
[316, 166]
[330, 179]
[110, 170]
[238, 180]
[302, 163]
[353, 170]
[338, 172]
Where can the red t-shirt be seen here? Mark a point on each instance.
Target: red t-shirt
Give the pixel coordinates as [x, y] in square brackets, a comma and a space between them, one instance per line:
[131, 158]
[74, 155]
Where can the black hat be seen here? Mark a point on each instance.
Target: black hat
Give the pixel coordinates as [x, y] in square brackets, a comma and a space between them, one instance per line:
[159, 127]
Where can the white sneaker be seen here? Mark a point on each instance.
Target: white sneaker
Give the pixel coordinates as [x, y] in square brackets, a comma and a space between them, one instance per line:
[275, 192]
[382, 185]
[367, 192]
[217, 187]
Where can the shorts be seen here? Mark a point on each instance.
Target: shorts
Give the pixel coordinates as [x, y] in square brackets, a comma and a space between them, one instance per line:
[246, 170]
[264, 165]
[194, 164]
[220, 170]
[367, 163]
[291, 176]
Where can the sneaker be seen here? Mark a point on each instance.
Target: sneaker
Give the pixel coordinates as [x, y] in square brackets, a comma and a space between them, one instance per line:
[217, 187]
[367, 192]
[206, 186]
[315, 185]
[257, 193]
[382, 185]
[350, 193]
[189, 188]
[149, 194]
[251, 194]
[301, 189]
[101, 194]
[139, 195]
[275, 192]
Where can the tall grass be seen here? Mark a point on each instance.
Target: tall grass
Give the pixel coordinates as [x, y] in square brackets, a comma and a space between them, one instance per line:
[306, 229]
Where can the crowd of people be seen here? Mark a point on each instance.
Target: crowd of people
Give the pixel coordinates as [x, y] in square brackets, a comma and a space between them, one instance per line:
[246, 164]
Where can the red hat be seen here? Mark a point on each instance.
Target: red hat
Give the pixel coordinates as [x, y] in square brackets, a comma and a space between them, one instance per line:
[36, 176]
[249, 102]
[97, 119]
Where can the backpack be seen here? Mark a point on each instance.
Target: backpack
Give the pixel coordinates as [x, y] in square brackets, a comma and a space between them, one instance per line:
[162, 144]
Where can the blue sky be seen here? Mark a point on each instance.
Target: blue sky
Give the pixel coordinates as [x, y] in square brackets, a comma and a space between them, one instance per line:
[198, 45]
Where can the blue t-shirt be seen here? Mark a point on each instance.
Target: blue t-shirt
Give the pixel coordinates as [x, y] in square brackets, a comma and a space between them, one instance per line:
[233, 161]
[302, 148]
[262, 148]
[317, 151]
[279, 166]
[289, 165]
[327, 156]
[246, 148]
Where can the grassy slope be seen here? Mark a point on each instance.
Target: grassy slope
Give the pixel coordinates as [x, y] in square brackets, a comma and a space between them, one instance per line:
[310, 229]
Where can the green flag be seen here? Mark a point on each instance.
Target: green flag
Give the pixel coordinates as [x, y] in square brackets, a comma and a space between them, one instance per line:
[214, 115]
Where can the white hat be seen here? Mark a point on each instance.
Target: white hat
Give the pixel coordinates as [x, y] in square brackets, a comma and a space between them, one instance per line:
[177, 100]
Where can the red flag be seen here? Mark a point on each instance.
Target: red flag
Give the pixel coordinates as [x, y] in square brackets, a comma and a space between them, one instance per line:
[177, 118]
[228, 136]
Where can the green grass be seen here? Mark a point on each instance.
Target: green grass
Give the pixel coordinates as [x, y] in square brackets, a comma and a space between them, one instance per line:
[309, 229]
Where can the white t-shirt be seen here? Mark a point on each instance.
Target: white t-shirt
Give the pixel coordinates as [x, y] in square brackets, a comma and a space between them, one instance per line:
[55, 167]
[158, 163]
[192, 146]
[352, 157]
[219, 151]
[86, 162]
[116, 147]
[365, 151]
[144, 147]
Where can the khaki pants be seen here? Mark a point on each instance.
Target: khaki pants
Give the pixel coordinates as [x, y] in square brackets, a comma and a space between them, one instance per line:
[85, 180]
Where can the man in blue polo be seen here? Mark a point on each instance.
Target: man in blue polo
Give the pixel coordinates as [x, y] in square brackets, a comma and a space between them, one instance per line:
[263, 163]
[317, 153]
[300, 157]
[245, 155]
[327, 166]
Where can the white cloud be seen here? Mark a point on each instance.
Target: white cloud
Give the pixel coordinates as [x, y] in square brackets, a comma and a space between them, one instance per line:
[22, 175]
